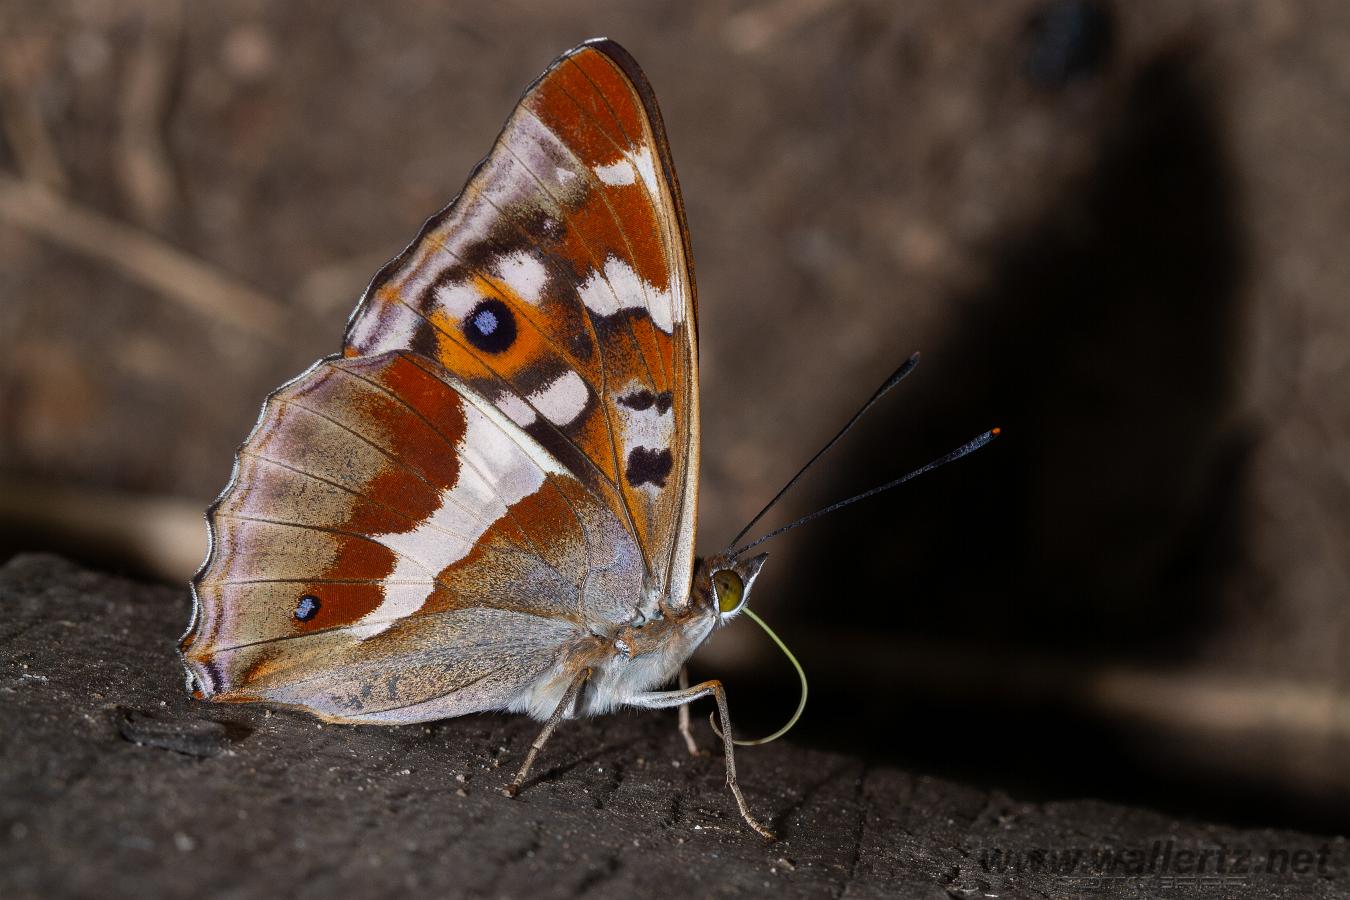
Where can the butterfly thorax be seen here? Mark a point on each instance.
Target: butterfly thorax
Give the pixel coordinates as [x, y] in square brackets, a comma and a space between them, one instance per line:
[648, 652]
[623, 661]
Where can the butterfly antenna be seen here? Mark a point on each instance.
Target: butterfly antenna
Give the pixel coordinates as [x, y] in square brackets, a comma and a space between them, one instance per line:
[801, 674]
[896, 377]
[968, 447]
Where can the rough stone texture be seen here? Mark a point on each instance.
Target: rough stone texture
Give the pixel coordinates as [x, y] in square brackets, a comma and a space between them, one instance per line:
[114, 784]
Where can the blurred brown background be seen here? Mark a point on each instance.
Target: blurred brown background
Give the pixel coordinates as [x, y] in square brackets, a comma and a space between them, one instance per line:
[1118, 230]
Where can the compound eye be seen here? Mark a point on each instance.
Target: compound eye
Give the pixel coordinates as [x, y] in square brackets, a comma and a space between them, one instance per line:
[730, 591]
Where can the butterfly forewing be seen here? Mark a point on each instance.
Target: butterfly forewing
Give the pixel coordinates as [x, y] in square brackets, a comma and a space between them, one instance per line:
[505, 453]
[558, 285]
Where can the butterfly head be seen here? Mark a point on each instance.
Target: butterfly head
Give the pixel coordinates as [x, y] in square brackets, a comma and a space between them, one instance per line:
[726, 582]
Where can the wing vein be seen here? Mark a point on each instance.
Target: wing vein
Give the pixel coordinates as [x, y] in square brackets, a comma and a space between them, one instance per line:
[473, 542]
[253, 454]
[238, 517]
[604, 368]
[350, 626]
[510, 511]
[652, 203]
[398, 463]
[598, 188]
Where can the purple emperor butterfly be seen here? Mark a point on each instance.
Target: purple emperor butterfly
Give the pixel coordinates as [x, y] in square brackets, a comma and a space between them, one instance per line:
[487, 500]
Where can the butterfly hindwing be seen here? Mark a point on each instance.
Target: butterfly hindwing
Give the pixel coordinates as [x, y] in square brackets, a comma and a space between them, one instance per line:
[384, 520]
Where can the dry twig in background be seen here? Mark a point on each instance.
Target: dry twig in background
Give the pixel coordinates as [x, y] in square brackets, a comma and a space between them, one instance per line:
[140, 256]
[21, 117]
[142, 160]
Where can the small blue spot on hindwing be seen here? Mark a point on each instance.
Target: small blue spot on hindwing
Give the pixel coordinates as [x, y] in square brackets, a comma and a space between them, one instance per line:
[307, 608]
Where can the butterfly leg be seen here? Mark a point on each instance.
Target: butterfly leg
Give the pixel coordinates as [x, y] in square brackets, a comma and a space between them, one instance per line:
[682, 698]
[569, 698]
[684, 717]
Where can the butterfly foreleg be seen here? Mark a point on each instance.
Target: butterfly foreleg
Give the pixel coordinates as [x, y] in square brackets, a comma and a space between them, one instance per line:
[684, 717]
[568, 700]
[682, 698]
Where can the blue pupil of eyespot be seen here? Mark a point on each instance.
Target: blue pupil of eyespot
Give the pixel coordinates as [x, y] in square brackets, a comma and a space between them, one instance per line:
[485, 322]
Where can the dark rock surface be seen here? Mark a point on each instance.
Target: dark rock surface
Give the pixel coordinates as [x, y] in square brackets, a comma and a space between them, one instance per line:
[113, 783]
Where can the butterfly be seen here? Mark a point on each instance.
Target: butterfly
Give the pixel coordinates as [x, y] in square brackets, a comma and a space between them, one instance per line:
[487, 500]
